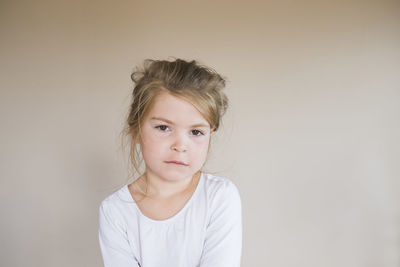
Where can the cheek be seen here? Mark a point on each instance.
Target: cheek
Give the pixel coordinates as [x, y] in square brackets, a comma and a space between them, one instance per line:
[201, 147]
[153, 147]
[150, 145]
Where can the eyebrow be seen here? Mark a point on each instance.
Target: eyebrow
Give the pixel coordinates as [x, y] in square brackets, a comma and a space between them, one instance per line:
[170, 122]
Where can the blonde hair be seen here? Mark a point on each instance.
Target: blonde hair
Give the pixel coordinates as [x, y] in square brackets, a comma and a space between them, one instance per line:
[199, 85]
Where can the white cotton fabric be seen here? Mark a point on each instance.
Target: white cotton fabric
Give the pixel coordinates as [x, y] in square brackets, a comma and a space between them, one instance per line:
[206, 232]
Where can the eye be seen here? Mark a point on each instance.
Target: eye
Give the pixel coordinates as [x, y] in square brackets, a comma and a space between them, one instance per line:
[162, 127]
[197, 132]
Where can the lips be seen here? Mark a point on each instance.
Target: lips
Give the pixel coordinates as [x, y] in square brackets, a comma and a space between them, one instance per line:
[177, 162]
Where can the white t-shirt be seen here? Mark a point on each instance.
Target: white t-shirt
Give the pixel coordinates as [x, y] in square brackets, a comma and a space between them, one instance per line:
[206, 232]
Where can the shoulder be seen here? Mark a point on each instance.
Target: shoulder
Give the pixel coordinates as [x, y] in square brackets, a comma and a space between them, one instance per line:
[221, 191]
[224, 202]
[115, 204]
[217, 185]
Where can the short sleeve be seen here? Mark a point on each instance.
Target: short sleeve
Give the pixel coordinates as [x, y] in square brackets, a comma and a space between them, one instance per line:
[223, 242]
[113, 240]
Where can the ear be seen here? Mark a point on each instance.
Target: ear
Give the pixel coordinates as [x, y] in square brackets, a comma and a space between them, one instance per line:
[135, 137]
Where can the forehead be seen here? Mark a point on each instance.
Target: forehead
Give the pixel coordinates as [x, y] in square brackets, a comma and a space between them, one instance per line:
[175, 109]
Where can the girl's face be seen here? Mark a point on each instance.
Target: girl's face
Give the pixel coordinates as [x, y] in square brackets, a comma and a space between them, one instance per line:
[174, 139]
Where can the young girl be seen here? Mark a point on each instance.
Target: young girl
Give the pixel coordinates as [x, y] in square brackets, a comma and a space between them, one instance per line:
[173, 214]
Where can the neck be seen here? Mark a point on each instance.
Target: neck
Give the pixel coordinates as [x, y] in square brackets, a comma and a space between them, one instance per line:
[160, 188]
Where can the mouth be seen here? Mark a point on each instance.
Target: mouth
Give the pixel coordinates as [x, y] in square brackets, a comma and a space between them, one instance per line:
[177, 163]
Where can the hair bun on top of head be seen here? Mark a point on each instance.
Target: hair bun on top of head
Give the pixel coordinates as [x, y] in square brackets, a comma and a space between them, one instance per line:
[196, 83]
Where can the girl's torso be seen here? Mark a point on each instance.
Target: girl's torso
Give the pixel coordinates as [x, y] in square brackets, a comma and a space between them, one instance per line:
[175, 236]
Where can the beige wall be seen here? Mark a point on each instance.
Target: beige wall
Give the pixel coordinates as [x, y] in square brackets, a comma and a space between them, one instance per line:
[311, 138]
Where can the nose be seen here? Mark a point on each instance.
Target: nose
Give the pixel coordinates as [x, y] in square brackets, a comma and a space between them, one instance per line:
[179, 143]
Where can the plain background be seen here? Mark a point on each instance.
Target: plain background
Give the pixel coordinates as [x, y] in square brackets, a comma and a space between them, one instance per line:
[311, 138]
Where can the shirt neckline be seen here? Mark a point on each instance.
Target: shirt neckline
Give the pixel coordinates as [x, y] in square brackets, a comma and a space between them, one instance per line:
[178, 214]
